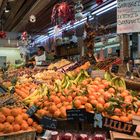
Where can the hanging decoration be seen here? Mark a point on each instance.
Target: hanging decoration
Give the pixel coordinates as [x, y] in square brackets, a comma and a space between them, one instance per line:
[32, 18]
[78, 10]
[24, 36]
[99, 2]
[2, 34]
[62, 13]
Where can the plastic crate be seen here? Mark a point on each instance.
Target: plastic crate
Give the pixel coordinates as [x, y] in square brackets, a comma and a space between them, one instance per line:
[22, 135]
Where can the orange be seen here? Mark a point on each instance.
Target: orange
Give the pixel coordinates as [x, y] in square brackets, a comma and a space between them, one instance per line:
[59, 105]
[73, 95]
[69, 107]
[101, 86]
[99, 107]
[111, 90]
[91, 97]
[69, 98]
[124, 119]
[1, 127]
[107, 105]
[39, 129]
[63, 112]
[6, 111]
[57, 100]
[30, 121]
[25, 116]
[16, 127]
[65, 103]
[98, 79]
[117, 111]
[115, 118]
[88, 107]
[62, 98]
[130, 116]
[101, 100]
[57, 113]
[84, 99]
[24, 126]
[18, 119]
[2, 118]
[52, 108]
[10, 119]
[124, 94]
[93, 102]
[77, 103]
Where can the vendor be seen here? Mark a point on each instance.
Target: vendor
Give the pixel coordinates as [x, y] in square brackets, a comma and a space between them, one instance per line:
[41, 56]
[91, 57]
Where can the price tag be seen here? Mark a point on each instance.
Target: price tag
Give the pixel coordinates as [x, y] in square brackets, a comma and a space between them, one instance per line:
[76, 114]
[115, 68]
[31, 111]
[97, 73]
[49, 123]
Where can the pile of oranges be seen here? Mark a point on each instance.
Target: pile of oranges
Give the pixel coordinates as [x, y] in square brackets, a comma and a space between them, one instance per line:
[95, 95]
[15, 119]
[24, 90]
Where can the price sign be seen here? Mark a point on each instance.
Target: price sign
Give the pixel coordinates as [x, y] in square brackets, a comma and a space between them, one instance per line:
[128, 16]
[76, 114]
[49, 123]
[31, 111]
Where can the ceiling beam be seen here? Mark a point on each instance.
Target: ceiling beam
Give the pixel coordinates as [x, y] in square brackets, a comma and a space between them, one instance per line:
[3, 4]
[35, 9]
[15, 9]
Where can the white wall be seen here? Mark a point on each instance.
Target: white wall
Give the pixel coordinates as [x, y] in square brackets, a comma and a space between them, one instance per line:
[11, 54]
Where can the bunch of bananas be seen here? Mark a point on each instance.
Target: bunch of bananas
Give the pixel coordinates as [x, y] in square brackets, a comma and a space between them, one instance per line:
[40, 92]
[118, 82]
[70, 79]
[115, 80]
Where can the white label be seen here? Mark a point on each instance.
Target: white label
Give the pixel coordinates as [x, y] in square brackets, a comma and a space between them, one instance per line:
[128, 16]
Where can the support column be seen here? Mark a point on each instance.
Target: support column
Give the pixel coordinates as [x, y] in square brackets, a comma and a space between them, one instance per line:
[138, 55]
[124, 49]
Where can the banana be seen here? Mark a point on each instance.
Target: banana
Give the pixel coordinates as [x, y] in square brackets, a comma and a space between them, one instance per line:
[86, 74]
[122, 83]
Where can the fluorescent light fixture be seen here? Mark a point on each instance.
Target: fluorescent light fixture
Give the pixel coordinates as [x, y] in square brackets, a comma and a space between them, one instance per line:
[106, 10]
[105, 7]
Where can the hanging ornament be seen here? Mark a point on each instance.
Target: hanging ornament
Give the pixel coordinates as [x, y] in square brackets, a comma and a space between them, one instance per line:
[62, 13]
[24, 36]
[99, 2]
[2, 34]
[78, 10]
[32, 18]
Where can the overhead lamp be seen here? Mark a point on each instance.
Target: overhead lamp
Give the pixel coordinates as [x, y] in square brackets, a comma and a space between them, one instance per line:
[7, 8]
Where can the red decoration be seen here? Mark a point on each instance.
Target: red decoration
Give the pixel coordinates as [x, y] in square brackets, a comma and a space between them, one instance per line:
[24, 36]
[62, 13]
[99, 2]
[2, 34]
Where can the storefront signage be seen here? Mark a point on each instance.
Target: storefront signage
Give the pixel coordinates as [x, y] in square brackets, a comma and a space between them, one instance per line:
[128, 16]
[76, 114]
[49, 123]
[31, 111]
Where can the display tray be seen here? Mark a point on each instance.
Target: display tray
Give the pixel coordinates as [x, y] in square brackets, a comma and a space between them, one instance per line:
[23, 135]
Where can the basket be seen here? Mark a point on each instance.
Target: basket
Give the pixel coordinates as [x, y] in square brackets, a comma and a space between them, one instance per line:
[133, 85]
[22, 135]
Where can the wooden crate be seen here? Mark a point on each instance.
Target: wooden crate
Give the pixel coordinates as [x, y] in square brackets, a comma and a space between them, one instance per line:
[22, 135]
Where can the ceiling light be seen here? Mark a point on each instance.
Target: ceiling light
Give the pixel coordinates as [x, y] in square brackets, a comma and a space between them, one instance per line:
[7, 8]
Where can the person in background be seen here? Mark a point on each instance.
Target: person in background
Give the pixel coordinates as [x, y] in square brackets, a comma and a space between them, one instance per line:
[41, 56]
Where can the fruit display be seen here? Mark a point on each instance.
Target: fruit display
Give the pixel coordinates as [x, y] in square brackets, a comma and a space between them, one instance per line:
[10, 100]
[59, 64]
[15, 119]
[22, 91]
[47, 76]
[95, 95]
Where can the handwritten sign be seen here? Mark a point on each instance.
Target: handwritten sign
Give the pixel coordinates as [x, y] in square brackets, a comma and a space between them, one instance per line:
[49, 123]
[118, 126]
[97, 73]
[128, 16]
[76, 114]
[31, 111]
